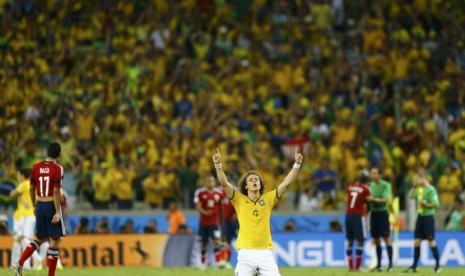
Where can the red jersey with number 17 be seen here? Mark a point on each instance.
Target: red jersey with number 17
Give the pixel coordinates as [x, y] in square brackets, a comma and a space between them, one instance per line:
[45, 176]
[209, 200]
[356, 198]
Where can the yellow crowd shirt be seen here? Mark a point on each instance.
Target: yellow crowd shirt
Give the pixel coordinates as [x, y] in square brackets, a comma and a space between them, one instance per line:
[254, 220]
[25, 208]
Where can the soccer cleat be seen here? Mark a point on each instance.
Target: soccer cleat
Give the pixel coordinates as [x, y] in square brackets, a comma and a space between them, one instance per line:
[389, 269]
[376, 269]
[17, 269]
[59, 267]
[40, 268]
[410, 270]
[202, 267]
[437, 269]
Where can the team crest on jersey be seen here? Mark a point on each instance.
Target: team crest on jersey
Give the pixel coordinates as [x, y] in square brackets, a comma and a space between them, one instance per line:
[261, 202]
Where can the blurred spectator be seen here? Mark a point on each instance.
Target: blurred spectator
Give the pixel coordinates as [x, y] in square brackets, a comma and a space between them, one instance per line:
[151, 227]
[183, 229]
[308, 201]
[4, 231]
[335, 225]
[455, 220]
[122, 177]
[449, 186]
[128, 227]
[154, 188]
[83, 227]
[290, 226]
[103, 227]
[325, 181]
[102, 185]
[175, 218]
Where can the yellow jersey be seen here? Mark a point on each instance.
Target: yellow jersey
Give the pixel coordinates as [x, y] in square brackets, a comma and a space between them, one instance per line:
[25, 208]
[254, 220]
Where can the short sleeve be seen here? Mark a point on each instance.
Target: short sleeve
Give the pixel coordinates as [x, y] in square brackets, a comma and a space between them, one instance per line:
[235, 198]
[272, 197]
[387, 192]
[21, 188]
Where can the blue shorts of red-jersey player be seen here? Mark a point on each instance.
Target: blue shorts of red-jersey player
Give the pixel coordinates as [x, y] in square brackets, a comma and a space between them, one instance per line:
[207, 233]
[230, 229]
[424, 228]
[355, 227]
[44, 226]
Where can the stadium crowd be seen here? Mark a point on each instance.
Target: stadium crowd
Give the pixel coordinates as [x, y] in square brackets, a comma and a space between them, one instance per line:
[139, 94]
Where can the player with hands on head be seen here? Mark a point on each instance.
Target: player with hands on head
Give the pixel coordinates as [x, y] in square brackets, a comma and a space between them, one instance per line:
[427, 202]
[253, 208]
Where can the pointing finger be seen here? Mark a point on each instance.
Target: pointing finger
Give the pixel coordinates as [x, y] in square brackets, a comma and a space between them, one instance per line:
[217, 150]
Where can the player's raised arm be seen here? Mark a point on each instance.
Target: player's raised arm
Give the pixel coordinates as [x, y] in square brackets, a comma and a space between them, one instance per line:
[290, 177]
[227, 187]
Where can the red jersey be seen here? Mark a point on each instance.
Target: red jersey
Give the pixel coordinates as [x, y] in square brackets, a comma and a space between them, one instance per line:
[356, 197]
[209, 200]
[229, 211]
[45, 176]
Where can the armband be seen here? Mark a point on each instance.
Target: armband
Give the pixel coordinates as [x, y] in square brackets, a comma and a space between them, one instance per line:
[296, 166]
[218, 165]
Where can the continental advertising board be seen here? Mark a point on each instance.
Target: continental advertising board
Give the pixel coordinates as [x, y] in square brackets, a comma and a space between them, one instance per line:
[103, 250]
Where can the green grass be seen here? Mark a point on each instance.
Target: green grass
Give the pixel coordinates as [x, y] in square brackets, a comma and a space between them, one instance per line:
[285, 271]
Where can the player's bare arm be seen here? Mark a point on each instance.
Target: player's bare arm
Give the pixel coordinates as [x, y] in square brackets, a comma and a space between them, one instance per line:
[414, 186]
[227, 187]
[199, 208]
[56, 201]
[290, 177]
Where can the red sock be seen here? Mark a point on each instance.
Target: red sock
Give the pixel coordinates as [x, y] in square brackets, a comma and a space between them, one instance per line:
[358, 262]
[218, 256]
[28, 251]
[203, 259]
[351, 262]
[227, 252]
[52, 259]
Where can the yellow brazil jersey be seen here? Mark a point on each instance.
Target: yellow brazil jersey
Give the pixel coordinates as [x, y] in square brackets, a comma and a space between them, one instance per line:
[25, 208]
[254, 220]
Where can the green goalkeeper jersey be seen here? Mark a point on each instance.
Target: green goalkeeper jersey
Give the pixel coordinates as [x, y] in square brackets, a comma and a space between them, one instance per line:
[380, 190]
[429, 195]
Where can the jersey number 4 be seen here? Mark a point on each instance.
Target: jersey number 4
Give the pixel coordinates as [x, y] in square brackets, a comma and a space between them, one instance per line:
[43, 179]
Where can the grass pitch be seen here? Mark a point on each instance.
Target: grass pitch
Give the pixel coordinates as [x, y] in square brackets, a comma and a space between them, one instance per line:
[285, 271]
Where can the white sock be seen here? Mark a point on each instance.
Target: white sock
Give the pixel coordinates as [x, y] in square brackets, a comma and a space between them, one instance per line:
[15, 252]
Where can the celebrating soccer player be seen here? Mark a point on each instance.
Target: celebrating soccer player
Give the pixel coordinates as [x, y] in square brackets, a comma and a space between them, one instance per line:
[379, 220]
[45, 192]
[208, 201]
[427, 203]
[253, 208]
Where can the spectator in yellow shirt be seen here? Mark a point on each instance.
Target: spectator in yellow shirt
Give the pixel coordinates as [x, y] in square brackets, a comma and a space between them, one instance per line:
[102, 184]
[449, 187]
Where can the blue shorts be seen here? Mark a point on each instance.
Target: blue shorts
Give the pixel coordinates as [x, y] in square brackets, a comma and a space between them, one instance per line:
[424, 228]
[379, 224]
[44, 226]
[207, 233]
[355, 227]
[230, 229]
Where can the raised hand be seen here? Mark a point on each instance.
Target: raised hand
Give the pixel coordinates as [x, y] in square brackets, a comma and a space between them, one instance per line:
[298, 157]
[217, 156]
